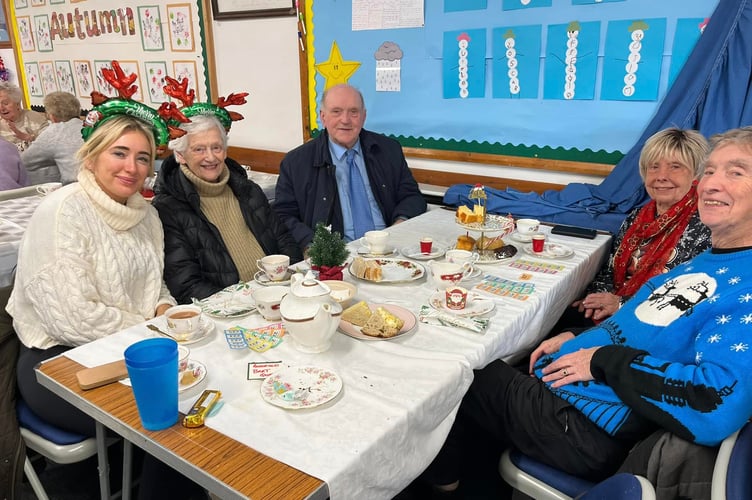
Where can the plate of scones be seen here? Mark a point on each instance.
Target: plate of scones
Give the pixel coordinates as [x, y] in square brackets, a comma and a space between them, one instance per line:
[377, 321]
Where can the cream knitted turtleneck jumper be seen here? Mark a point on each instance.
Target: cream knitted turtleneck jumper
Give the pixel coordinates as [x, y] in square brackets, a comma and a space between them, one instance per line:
[87, 267]
[221, 207]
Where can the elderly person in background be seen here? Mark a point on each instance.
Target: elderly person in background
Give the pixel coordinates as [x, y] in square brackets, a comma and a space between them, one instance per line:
[52, 156]
[347, 177]
[675, 357]
[17, 125]
[12, 171]
[655, 238]
[217, 222]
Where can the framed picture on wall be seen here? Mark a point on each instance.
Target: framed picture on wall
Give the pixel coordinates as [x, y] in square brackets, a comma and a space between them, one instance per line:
[37, 3]
[33, 80]
[55, 2]
[47, 76]
[42, 31]
[180, 22]
[186, 69]
[155, 72]
[25, 33]
[239, 9]
[131, 68]
[20, 4]
[65, 77]
[151, 28]
[83, 78]
[103, 85]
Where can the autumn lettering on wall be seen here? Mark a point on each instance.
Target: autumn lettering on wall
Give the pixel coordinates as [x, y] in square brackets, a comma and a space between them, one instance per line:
[64, 45]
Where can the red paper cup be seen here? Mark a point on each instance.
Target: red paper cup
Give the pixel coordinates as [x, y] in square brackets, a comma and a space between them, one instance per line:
[425, 245]
[539, 241]
[456, 298]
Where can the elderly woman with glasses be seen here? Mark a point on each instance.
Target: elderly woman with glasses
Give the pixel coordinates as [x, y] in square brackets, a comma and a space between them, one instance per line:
[217, 222]
[17, 125]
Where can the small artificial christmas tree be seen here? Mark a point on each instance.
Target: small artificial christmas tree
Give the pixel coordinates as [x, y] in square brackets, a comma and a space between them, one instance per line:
[328, 252]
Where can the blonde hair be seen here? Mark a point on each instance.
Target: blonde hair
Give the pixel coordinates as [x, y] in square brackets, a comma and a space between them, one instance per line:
[62, 105]
[110, 131]
[688, 147]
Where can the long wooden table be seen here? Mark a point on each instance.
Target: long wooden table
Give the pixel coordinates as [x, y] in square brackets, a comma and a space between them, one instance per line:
[224, 466]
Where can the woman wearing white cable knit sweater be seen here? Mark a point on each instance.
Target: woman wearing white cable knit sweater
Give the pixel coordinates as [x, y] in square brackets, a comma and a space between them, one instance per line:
[91, 261]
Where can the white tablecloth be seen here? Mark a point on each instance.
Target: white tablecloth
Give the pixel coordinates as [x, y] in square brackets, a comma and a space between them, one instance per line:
[14, 217]
[400, 396]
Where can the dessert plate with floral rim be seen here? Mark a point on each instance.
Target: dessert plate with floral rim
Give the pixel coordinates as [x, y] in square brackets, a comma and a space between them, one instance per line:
[300, 387]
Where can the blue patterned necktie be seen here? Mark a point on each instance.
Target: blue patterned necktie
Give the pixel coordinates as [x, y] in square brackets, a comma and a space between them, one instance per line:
[361, 210]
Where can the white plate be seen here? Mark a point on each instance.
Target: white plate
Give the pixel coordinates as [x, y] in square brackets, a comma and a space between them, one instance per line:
[550, 251]
[234, 301]
[366, 252]
[475, 305]
[300, 387]
[411, 323]
[262, 279]
[395, 271]
[207, 328]
[415, 253]
[493, 224]
[521, 238]
[199, 372]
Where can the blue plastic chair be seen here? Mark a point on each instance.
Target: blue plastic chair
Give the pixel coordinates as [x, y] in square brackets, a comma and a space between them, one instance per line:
[65, 447]
[544, 482]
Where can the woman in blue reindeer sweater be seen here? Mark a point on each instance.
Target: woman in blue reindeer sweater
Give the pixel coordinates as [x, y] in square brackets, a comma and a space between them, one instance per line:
[676, 356]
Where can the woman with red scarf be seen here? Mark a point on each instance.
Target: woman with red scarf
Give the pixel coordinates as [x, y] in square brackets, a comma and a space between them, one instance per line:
[656, 237]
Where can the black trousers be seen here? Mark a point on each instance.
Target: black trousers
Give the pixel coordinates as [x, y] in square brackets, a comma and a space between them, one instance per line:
[506, 407]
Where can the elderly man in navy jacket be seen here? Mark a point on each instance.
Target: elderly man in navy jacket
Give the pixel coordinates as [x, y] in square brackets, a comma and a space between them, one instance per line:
[348, 177]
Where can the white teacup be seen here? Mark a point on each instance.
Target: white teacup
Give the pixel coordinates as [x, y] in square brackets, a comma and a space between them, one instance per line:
[274, 266]
[462, 256]
[527, 227]
[183, 358]
[183, 322]
[376, 241]
[268, 299]
[447, 274]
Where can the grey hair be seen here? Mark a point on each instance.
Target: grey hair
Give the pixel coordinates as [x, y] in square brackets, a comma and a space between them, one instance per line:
[342, 85]
[198, 124]
[13, 91]
[741, 137]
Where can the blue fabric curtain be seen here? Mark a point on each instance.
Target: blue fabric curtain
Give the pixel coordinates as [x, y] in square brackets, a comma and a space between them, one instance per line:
[712, 93]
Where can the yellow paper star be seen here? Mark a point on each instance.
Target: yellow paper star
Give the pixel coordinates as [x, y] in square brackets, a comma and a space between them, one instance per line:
[335, 70]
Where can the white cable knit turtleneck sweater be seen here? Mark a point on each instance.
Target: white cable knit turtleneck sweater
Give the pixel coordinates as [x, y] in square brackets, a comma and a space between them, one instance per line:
[87, 267]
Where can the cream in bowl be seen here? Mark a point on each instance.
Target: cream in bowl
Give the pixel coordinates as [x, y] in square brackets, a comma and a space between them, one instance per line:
[341, 291]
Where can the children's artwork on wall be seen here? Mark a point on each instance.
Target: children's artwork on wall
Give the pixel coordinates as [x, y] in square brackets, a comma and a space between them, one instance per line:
[65, 77]
[687, 33]
[33, 80]
[524, 4]
[20, 4]
[633, 59]
[47, 76]
[186, 69]
[336, 70]
[42, 30]
[464, 64]
[180, 21]
[388, 67]
[25, 33]
[516, 61]
[55, 2]
[84, 78]
[571, 60]
[461, 5]
[131, 68]
[37, 3]
[102, 85]
[588, 2]
[151, 28]
[155, 72]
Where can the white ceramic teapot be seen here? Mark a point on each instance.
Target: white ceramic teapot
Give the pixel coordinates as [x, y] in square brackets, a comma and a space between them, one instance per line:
[309, 313]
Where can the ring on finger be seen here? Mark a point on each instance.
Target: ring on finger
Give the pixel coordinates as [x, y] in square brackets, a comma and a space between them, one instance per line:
[565, 372]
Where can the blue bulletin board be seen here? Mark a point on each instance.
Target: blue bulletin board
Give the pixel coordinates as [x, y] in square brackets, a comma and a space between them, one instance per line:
[562, 79]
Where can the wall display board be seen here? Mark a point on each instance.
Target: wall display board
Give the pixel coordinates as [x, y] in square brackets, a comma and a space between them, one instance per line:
[562, 79]
[64, 44]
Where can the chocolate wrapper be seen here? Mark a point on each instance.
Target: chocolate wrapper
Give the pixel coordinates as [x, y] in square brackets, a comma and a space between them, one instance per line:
[433, 316]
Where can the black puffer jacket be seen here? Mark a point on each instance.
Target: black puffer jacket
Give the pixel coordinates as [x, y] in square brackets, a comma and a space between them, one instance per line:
[197, 263]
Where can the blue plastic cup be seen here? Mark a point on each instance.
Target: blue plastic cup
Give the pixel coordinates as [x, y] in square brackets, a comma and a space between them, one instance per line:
[153, 369]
